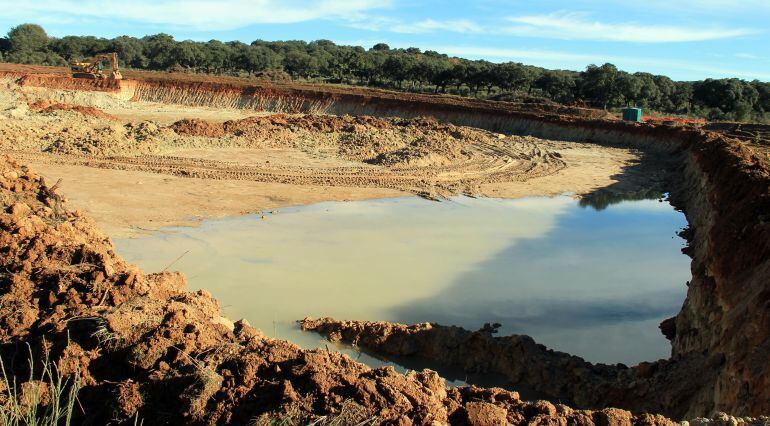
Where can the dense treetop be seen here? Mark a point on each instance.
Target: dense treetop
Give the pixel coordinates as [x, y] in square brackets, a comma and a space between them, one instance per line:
[403, 69]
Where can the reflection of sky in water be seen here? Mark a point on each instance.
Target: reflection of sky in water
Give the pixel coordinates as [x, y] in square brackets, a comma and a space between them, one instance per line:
[595, 284]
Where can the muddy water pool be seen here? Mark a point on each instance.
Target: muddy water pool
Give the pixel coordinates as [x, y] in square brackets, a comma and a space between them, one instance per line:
[594, 283]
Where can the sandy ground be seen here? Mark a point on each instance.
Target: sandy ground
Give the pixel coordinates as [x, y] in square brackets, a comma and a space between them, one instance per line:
[167, 114]
[589, 167]
[139, 171]
[128, 203]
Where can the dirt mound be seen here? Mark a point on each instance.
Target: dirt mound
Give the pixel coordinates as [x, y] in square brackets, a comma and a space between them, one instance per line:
[756, 136]
[416, 142]
[648, 387]
[131, 138]
[256, 125]
[197, 127]
[750, 132]
[46, 105]
[141, 347]
[89, 133]
[425, 151]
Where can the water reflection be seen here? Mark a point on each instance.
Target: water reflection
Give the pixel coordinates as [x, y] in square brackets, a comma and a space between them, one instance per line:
[594, 283]
[601, 199]
[597, 284]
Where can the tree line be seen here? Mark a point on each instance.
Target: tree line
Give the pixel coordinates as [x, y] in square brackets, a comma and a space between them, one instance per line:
[602, 86]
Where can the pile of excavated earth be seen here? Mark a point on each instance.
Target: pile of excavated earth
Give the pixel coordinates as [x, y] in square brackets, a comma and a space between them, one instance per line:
[135, 347]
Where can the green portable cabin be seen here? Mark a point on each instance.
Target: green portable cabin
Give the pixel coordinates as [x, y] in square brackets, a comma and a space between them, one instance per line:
[632, 114]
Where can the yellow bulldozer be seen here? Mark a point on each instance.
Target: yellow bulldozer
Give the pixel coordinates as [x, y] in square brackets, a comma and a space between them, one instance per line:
[93, 68]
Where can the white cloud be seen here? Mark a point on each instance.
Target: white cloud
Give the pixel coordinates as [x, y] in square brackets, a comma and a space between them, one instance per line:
[419, 27]
[429, 25]
[723, 7]
[517, 54]
[559, 25]
[577, 26]
[749, 56]
[193, 14]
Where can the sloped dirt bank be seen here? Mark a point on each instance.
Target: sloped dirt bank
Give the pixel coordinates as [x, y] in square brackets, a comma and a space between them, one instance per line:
[142, 347]
[660, 387]
[64, 82]
[720, 338]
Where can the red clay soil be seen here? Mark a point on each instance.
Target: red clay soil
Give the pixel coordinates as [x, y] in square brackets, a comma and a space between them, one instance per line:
[47, 105]
[750, 132]
[142, 347]
[65, 82]
[660, 387]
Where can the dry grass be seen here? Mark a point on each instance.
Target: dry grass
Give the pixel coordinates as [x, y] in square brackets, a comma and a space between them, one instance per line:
[351, 414]
[45, 399]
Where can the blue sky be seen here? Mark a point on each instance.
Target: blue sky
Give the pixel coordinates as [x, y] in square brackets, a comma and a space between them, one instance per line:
[685, 39]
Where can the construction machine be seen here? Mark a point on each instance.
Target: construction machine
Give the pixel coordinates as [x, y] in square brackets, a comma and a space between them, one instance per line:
[94, 70]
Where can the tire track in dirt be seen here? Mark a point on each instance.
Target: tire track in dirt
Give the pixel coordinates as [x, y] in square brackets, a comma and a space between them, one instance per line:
[497, 164]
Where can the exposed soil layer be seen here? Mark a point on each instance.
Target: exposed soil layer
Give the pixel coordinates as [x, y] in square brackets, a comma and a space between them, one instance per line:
[143, 347]
[756, 136]
[659, 387]
[720, 344]
[45, 105]
[197, 88]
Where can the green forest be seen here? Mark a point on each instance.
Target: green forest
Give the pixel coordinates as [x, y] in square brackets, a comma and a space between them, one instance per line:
[601, 86]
